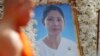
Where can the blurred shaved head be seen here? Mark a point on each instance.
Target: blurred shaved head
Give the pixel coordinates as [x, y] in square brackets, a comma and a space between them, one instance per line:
[18, 10]
[15, 2]
[10, 3]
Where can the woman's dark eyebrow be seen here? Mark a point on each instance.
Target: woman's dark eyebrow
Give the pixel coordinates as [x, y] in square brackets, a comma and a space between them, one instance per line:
[51, 16]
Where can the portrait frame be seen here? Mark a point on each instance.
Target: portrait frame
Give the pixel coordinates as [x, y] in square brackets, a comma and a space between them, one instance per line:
[76, 24]
[98, 35]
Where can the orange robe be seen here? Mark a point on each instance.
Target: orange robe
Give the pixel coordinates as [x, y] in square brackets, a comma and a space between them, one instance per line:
[27, 48]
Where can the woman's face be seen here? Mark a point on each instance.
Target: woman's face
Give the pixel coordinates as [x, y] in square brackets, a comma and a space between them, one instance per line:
[54, 22]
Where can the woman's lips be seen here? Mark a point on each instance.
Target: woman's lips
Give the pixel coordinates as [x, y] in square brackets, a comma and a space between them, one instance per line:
[56, 29]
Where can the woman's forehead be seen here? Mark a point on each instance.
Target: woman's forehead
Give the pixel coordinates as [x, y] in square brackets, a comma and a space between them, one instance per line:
[54, 12]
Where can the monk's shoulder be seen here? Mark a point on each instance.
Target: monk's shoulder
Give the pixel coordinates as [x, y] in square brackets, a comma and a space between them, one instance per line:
[4, 33]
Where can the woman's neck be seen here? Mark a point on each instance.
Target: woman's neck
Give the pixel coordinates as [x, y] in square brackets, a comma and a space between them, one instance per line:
[53, 37]
[52, 41]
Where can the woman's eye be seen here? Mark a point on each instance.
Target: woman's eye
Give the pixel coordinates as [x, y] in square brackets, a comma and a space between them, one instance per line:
[50, 19]
[59, 19]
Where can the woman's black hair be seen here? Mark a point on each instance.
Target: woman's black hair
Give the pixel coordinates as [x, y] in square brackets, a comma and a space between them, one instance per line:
[50, 8]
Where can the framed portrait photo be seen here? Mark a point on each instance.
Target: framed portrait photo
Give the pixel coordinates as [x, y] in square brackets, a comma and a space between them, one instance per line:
[57, 30]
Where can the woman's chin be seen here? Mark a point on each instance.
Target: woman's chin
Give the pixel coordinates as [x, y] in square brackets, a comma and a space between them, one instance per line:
[56, 33]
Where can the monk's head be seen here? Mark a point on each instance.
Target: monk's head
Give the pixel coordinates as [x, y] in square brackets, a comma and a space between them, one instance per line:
[18, 10]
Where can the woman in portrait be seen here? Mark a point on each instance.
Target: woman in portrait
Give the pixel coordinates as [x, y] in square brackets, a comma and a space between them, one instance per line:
[53, 43]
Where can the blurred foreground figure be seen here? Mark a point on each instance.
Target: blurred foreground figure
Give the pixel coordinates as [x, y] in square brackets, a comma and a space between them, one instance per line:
[13, 42]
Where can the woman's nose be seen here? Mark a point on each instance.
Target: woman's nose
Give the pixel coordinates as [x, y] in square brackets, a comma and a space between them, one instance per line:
[56, 22]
